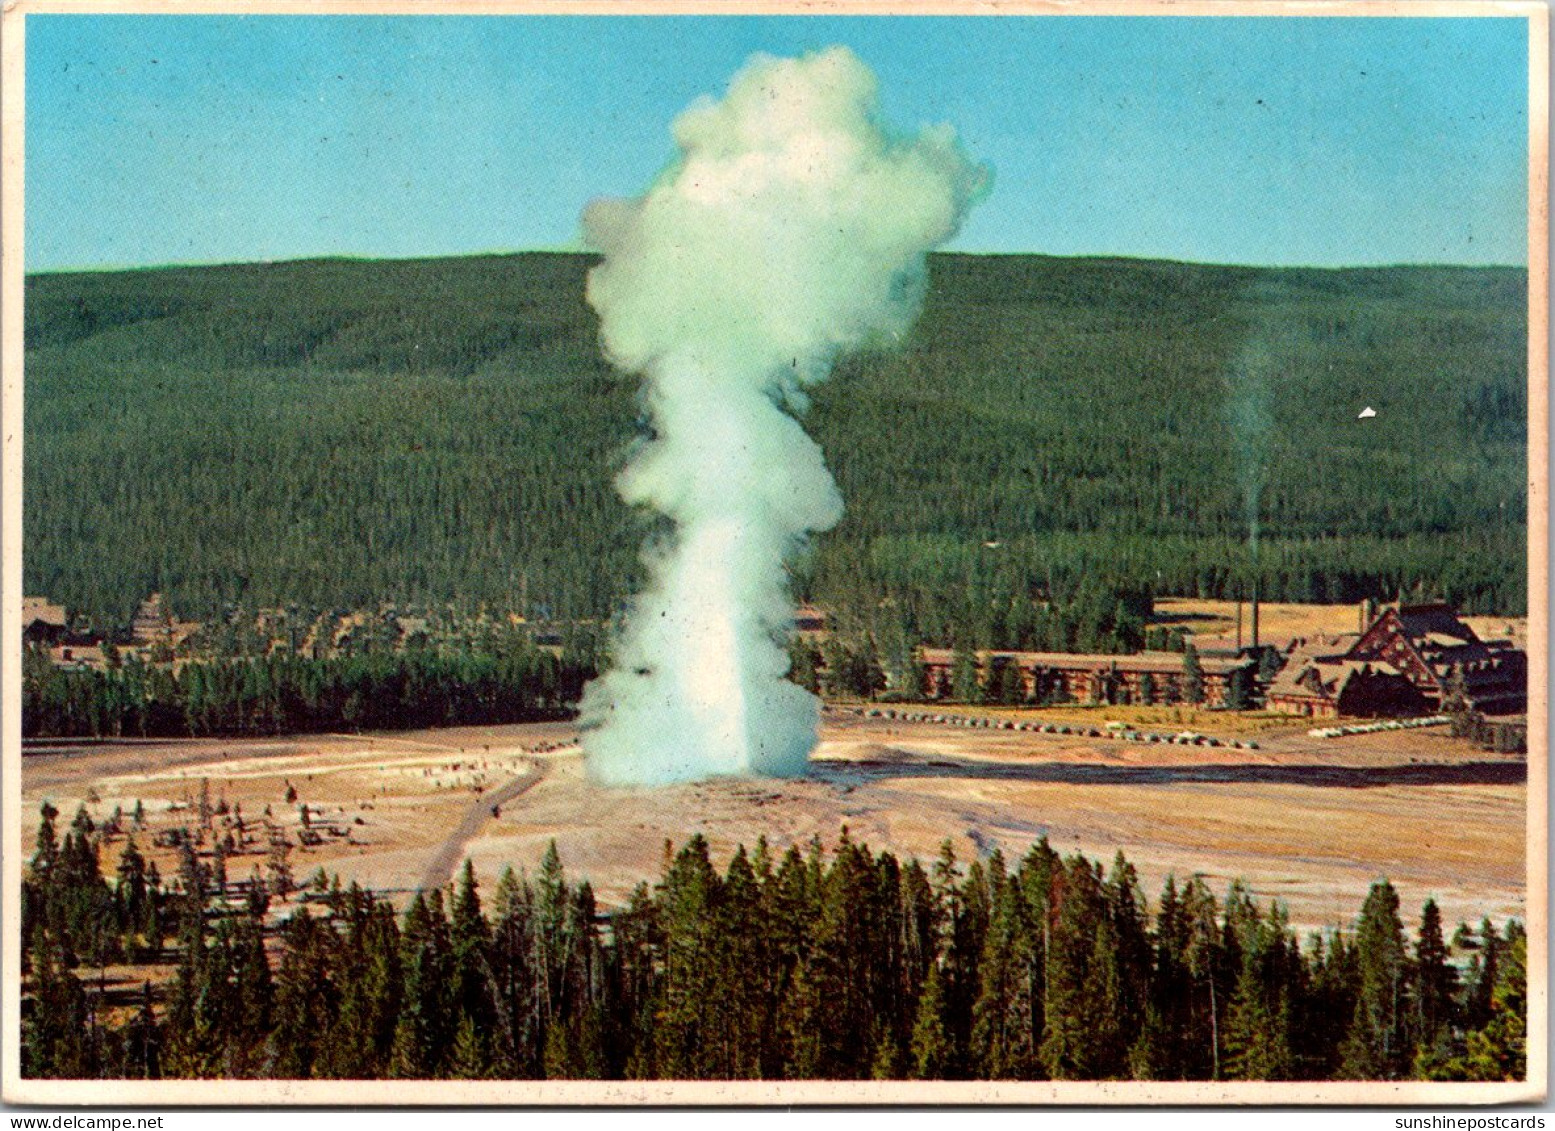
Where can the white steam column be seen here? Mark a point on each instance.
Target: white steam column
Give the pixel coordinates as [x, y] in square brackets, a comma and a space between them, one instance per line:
[791, 226]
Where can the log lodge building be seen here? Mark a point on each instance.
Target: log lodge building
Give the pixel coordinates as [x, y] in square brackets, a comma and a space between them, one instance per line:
[1142, 678]
[1410, 660]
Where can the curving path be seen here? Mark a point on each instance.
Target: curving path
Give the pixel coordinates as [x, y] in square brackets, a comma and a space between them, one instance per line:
[440, 869]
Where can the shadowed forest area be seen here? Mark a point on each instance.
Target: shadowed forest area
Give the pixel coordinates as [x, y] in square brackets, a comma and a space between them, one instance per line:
[492, 678]
[1056, 441]
[804, 965]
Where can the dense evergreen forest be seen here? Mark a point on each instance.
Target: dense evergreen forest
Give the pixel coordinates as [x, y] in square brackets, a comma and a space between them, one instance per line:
[287, 694]
[1053, 433]
[840, 965]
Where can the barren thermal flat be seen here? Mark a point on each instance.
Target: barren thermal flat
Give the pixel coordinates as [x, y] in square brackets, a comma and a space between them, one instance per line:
[1214, 623]
[1309, 821]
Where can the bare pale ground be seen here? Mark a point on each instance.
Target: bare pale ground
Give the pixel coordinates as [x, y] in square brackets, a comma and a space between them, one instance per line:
[1213, 623]
[399, 798]
[1309, 821]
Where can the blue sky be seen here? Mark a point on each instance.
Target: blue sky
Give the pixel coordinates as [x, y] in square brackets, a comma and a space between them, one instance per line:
[159, 139]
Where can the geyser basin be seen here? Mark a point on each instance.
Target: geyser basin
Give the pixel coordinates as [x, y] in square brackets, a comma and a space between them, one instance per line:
[790, 226]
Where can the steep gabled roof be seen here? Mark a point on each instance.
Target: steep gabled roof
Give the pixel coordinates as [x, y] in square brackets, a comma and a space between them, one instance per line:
[1423, 622]
[1388, 638]
[37, 610]
[1311, 677]
[1300, 678]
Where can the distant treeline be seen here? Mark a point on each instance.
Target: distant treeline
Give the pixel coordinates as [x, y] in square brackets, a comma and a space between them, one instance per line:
[235, 681]
[342, 434]
[287, 693]
[800, 966]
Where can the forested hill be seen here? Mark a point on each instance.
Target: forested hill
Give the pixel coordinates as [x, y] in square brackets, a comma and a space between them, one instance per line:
[343, 433]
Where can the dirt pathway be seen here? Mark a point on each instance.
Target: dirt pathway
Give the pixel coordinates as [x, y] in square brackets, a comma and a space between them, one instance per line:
[440, 869]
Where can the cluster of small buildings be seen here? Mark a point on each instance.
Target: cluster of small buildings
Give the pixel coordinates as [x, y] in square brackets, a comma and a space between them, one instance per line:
[154, 634]
[157, 636]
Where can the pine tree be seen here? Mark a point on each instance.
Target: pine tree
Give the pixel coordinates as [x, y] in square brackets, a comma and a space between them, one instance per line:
[1159, 1053]
[195, 1042]
[1102, 1005]
[1238, 692]
[1376, 1046]
[470, 941]
[887, 1061]
[1125, 909]
[852, 967]
[1483, 971]
[1149, 1057]
[965, 687]
[1497, 1050]
[798, 1019]
[517, 1003]
[470, 1059]
[47, 843]
[931, 1053]
[1192, 676]
[54, 1022]
[740, 976]
[250, 1001]
[845, 948]
[1323, 1013]
[1435, 984]
[1081, 1023]
[689, 898]
[1147, 690]
[429, 1004]
[803, 666]
[407, 1060]
[306, 995]
[142, 1041]
[1010, 691]
[1202, 956]
[1003, 1028]
[134, 897]
[1258, 1021]
[966, 932]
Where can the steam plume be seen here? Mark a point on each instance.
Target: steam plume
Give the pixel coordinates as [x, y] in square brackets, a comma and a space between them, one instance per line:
[1249, 409]
[790, 226]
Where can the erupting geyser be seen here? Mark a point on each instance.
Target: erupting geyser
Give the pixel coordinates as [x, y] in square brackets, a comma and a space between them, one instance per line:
[790, 226]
